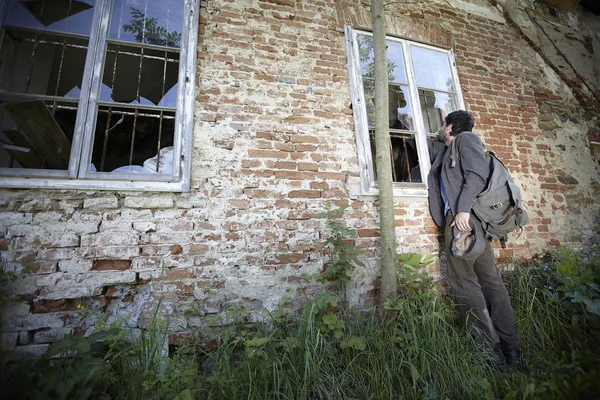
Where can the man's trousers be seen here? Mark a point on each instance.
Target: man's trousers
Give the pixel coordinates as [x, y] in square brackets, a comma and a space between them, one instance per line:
[481, 297]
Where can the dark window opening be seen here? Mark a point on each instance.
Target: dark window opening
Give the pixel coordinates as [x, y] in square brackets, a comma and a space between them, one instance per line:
[129, 140]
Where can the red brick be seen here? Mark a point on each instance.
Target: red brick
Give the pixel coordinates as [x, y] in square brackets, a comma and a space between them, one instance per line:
[112, 265]
[46, 306]
[267, 154]
[311, 194]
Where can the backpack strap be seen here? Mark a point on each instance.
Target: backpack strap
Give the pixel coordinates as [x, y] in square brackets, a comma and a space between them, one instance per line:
[453, 154]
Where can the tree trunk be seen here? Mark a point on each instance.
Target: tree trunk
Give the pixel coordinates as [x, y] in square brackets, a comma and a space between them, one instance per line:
[389, 261]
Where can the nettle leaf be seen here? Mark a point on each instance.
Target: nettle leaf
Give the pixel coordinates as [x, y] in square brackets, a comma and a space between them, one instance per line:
[256, 342]
[290, 343]
[325, 300]
[185, 395]
[592, 306]
[414, 372]
[353, 342]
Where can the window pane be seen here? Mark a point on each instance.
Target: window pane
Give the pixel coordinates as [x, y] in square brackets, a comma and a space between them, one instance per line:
[432, 69]
[395, 59]
[405, 162]
[43, 53]
[434, 107]
[400, 114]
[140, 76]
[156, 22]
[128, 140]
[37, 134]
[42, 63]
[68, 16]
[400, 110]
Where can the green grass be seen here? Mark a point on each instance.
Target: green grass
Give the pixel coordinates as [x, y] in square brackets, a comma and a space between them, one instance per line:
[415, 350]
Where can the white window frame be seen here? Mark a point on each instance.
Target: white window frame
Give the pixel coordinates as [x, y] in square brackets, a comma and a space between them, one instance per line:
[76, 176]
[368, 184]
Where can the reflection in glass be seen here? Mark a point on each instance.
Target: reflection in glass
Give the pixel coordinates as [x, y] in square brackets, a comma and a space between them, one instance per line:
[432, 69]
[395, 62]
[68, 16]
[434, 107]
[155, 22]
[365, 53]
[400, 114]
[400, 110]
[395, 59]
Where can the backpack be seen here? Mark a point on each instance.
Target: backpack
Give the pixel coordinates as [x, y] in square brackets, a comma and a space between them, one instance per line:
[499, 206]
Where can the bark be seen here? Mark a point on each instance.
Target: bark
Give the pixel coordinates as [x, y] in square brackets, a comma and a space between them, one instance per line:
[389, 261]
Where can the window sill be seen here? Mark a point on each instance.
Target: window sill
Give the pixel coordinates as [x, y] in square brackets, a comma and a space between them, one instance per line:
[73, 184]
[400, 190]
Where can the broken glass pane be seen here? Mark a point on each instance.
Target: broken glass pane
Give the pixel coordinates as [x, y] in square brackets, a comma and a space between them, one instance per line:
[137, 75]
[127, 139]
[36, 134]
[432, 69]
[42, 63]
[68, 16]
[155, 22]
[435, 106]
[404, 157]
[43, 53]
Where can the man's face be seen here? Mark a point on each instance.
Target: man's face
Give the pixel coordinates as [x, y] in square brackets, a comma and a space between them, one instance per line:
[444, 132]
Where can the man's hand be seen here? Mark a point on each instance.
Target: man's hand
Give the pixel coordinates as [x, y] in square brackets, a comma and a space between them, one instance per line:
[461, 221]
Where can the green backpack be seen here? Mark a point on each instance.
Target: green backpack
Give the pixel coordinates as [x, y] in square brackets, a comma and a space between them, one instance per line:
[499, 206]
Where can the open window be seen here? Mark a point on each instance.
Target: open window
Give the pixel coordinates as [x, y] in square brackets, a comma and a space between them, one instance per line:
[97, 93]
[423, 89]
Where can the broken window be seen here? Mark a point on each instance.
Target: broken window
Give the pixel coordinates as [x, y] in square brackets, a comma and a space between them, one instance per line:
[422, 87]
[97, 90]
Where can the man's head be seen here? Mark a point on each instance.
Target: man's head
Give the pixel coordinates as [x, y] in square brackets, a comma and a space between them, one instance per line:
[455, 123]
[460, 120]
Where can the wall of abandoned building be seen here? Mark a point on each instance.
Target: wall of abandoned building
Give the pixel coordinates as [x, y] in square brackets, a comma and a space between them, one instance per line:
[274, 141]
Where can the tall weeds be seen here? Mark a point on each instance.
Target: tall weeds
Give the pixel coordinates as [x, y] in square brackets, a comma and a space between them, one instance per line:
[328, 351]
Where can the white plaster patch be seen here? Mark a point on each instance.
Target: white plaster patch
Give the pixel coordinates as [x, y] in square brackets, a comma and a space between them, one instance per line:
[553, 82]
[482, 10]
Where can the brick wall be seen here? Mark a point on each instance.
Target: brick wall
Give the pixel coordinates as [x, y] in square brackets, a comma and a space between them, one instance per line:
[273, 141]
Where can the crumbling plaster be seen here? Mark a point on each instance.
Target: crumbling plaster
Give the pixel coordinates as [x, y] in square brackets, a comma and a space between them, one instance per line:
[567, 56]
[568, 46]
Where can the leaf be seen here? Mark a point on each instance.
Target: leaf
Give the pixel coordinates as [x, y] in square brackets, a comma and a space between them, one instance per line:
[256, 342]
[592, 306]
[353, 342]
[290, 343]
[414, 373]
[184, 395]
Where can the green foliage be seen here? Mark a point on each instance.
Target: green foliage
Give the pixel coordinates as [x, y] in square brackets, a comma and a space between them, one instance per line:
[578, 275]
[6, 278]
[365, 53]
[344, 256]
[148, 31]
[411, 274]
[560, 334]
[416, 351]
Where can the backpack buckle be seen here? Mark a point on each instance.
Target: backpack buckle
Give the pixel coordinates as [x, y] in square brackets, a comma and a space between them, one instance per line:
[496, 206]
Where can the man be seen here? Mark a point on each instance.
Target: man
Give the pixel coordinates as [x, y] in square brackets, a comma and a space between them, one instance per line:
[458, 174]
